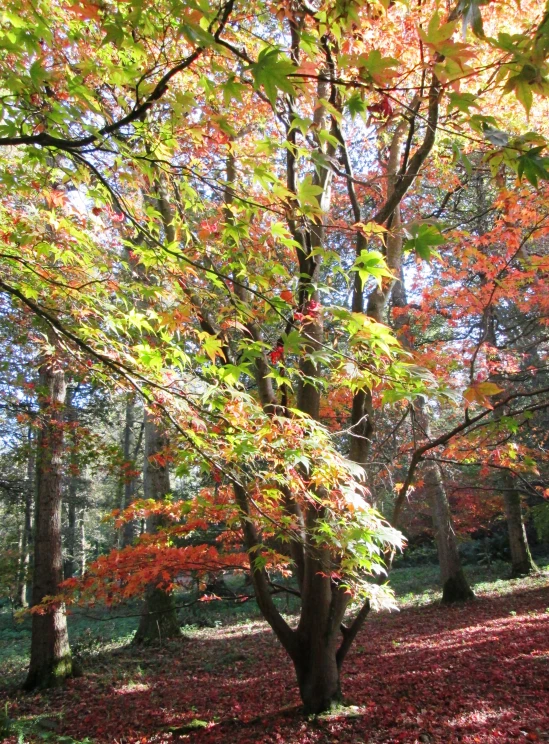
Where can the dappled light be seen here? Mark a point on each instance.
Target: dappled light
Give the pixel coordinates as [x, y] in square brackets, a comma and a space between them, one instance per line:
[474, 674]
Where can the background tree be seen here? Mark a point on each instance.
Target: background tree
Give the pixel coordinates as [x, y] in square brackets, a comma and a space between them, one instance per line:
[50, 652]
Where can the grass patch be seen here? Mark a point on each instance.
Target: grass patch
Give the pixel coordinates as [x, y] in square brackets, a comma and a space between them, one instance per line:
[420, 585]
[100, 638]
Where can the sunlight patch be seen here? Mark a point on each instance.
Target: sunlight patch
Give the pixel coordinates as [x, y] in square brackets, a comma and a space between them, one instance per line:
[132, 687]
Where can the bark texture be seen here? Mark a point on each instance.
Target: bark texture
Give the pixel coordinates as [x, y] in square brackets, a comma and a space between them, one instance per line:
[50, 661]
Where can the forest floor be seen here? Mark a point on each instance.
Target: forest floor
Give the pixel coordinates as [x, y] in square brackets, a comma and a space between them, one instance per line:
[428, 674]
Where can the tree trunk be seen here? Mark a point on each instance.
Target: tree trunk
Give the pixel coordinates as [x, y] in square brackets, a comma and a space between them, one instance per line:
[522, 562]
[26, 541]
[455, 587]
[83, 545]
[318, 676]
[50, 659]
[159, 615]
[130, 529]
[70, 559]
[158, 620]
[70, 564]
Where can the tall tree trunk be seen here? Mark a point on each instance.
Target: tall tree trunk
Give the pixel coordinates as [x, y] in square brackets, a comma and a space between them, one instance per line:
[70, 564]
[455, 587]
[522, 562]
[159, 615]
[83, 545]
[50, 659]
[26, 540]
[130, 529]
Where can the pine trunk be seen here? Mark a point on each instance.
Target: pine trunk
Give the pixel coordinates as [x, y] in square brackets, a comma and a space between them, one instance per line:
[50, 659]
[522, 562]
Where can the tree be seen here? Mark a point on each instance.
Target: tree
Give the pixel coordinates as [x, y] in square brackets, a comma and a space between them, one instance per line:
[455, 587]
[290, 140]
[50, 661]
[159, 616]
[27, 532]
[131, 446]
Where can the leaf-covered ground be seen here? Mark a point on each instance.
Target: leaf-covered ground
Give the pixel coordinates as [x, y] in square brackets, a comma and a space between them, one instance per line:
[473, 673]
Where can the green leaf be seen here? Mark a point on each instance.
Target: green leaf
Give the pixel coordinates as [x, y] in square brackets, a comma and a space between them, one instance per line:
[115, 35]
[211, 345]
[232, 89]
[356, 105]
[470, 13]
[271, 71]
[307, 192]
[523, 92]
[437, 32]
[378, 68]
[371, 263]
[532, 165]
[423, 239]
[462, 101]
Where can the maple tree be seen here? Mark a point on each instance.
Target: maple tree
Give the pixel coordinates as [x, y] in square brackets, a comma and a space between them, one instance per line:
[208, 205]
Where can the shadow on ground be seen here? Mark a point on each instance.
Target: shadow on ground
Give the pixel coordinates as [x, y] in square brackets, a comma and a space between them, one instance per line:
[472, 673]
